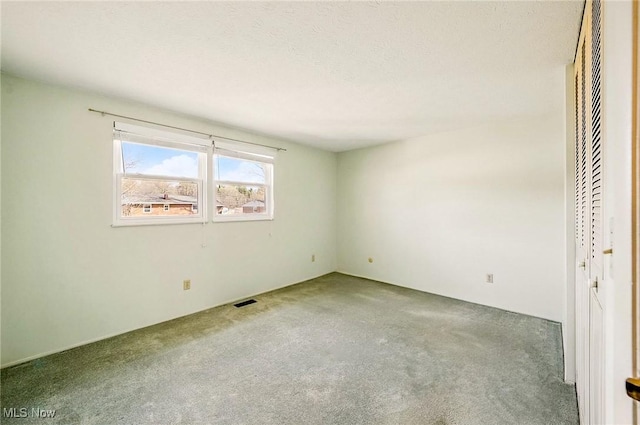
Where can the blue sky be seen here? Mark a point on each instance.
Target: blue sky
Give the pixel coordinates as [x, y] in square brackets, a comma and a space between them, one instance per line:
[238, 170]
[157, 160]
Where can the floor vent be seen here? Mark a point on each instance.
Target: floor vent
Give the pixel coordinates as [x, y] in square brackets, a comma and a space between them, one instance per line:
[243, 303]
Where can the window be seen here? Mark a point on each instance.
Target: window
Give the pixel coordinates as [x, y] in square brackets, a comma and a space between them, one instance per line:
[166, 178]
[243, 182]
[158, 168]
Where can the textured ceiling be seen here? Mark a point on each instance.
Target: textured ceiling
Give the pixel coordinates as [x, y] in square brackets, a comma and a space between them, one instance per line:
[334, 75]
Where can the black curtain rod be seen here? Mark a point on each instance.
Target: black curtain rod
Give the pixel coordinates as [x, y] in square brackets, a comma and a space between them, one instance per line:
[183, 129]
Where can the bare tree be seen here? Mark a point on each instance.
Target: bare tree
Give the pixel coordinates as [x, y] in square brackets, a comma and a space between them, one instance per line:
[257, 170]
[129, 185]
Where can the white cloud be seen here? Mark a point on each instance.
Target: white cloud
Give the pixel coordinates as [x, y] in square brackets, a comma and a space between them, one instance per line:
[246, 171]
[176, 166]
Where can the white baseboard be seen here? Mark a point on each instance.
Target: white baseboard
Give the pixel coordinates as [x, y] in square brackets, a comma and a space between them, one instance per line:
[100, 338]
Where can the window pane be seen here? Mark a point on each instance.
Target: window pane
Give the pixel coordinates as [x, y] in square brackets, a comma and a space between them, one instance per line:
[240, 170]
[158, 161]
[239, 200]
[142, 197]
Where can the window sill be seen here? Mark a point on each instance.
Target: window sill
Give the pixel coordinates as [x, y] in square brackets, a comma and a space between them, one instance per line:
[231, 219]
[147, 222]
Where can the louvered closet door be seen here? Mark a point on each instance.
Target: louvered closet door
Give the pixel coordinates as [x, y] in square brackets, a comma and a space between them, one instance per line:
[582, 236]
[589, 181]
[596, 191]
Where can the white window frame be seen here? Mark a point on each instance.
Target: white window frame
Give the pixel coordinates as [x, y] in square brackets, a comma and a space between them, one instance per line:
[160, 138]
[259, 154]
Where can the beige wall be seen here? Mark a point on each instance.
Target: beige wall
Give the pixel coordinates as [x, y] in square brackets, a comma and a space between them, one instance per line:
[440, 212]
[69, 277]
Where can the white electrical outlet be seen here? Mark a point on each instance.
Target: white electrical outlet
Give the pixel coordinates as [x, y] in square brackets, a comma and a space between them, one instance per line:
[489, 278]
